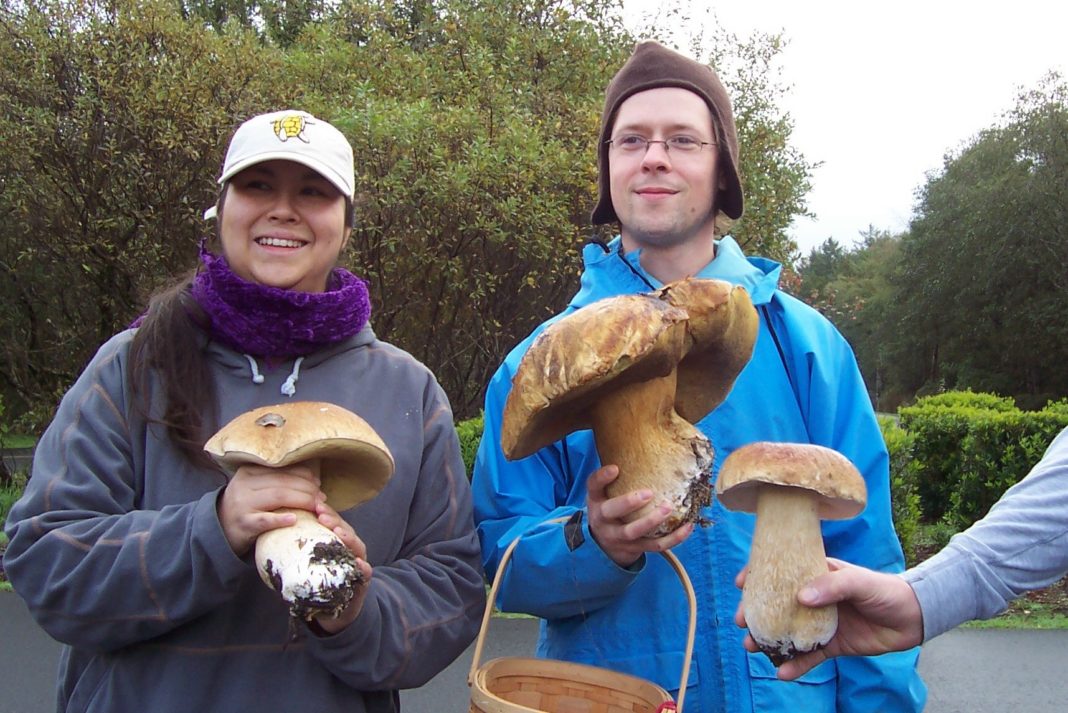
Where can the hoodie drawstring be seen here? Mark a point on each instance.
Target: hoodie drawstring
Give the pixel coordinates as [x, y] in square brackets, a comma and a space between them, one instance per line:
[289, 387]
[257, 377]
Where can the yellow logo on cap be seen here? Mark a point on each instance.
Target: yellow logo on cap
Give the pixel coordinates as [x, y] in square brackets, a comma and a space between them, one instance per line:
[290, 127]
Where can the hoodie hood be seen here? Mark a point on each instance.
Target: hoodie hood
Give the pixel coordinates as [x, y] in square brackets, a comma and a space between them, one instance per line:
[246, 367]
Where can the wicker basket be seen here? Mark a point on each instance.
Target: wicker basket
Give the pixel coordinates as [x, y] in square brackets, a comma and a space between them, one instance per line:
[532, 685]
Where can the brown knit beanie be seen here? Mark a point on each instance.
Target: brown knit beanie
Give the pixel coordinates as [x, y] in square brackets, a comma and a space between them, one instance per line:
[653, 65]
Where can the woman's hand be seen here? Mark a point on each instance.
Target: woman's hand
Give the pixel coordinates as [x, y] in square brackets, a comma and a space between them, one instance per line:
[249, 501]
[330, 519]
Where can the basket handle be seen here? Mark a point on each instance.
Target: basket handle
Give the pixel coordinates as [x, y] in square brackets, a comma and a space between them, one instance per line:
[668, 555]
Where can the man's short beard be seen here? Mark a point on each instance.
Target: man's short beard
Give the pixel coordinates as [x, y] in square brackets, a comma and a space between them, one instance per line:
[670, 237]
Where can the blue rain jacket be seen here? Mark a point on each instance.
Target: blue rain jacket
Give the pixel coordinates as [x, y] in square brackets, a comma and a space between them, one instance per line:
[801, 385]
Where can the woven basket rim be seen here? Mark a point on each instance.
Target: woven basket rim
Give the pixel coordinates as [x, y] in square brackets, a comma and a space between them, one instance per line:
[476, 678]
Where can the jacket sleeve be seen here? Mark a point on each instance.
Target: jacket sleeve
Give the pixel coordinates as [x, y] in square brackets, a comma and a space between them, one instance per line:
[555, 570]
[96, 571]
[838, 413]
[423, 608]
[1020, 545]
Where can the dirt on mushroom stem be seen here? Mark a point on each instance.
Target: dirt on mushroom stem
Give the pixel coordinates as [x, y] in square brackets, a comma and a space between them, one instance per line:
[331, 599]
[637, 429]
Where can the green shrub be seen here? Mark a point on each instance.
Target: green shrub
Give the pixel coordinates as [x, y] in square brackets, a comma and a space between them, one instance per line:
[968, 448]
[470, 433]
[9, 493]
[1056, 408]
[998, 451]
[937, 433]
[967, 399]
[904, 500]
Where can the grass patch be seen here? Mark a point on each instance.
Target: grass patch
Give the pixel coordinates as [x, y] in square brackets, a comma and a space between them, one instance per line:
[1027, 615]
[14, 440]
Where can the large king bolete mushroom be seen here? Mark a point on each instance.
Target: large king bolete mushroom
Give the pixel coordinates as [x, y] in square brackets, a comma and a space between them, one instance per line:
[790, 487]
[307, 563]
[638, 370]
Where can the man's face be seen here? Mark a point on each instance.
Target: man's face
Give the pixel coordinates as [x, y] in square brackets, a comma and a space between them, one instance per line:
[664, 198]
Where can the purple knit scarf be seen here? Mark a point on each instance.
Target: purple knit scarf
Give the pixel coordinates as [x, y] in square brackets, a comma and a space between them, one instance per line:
[270, 322]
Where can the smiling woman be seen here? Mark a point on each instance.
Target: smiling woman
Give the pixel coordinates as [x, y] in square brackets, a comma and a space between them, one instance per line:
[136, 550]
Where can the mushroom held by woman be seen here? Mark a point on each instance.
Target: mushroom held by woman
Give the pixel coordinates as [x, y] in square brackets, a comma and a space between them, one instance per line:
[135, 548]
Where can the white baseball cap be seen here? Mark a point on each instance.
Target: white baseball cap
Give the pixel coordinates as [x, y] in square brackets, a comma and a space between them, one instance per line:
[291, 135]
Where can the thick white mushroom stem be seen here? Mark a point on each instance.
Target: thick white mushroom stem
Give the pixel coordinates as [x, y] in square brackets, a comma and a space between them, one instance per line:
[308, 565]
[636, 428]
[787, 552]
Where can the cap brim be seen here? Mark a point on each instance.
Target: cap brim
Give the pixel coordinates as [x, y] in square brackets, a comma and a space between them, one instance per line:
[319, 167]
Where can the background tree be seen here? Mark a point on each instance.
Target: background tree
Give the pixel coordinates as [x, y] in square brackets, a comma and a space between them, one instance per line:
[109, 139]
[982, 279]
[474, 126]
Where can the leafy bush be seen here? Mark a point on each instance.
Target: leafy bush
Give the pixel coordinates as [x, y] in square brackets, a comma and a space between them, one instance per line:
[937, 433]
[967, 399]
[968, 448]
[470, 433]
[9, 493]
[904, 500]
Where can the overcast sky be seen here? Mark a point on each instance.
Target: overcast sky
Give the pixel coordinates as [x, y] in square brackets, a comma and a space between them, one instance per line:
[880, 91]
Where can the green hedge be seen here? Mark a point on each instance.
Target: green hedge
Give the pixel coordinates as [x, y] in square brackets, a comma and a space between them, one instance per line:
[904, 500]
[967, 449]
[470, 433]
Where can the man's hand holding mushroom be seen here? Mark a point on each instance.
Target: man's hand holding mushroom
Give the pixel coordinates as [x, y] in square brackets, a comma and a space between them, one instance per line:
[620, 526]
[877, 613]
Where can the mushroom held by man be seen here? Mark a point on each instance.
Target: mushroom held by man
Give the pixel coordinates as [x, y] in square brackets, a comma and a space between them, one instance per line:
[306, 562]
[639, 370]
[790, 487]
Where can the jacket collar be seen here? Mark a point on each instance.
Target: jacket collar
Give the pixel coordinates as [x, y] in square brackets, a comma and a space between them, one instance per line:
[609, 272]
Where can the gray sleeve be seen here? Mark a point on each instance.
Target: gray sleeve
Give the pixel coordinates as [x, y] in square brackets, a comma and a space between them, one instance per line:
[1021, 545]
[97, 570]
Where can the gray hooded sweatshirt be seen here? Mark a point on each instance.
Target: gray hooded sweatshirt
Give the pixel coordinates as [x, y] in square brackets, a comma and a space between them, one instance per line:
[117, 549]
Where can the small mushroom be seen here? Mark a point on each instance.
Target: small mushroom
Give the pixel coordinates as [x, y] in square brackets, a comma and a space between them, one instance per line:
[639, 370]
[790, 487]
[307, 563]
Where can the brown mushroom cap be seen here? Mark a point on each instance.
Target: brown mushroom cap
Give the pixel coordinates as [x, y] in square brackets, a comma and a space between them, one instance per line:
[824, 471]
[722, 327]
[575, 359]
[355, 462]
[703, 328]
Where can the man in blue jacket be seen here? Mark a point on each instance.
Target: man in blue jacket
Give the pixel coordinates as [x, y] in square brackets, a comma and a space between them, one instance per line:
[668, 158]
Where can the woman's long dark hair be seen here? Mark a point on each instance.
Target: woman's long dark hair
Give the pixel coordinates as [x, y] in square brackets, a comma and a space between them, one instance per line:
[169, 344]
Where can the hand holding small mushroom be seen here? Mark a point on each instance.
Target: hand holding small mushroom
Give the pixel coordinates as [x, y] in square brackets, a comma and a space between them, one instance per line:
[877, 613]
[639, 370]
[293, 451]
[790, 487]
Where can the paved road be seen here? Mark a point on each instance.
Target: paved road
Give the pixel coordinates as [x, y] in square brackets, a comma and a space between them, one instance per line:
[967, 671]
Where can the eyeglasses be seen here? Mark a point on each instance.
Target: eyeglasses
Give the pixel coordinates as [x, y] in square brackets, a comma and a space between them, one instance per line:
[632, 144]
